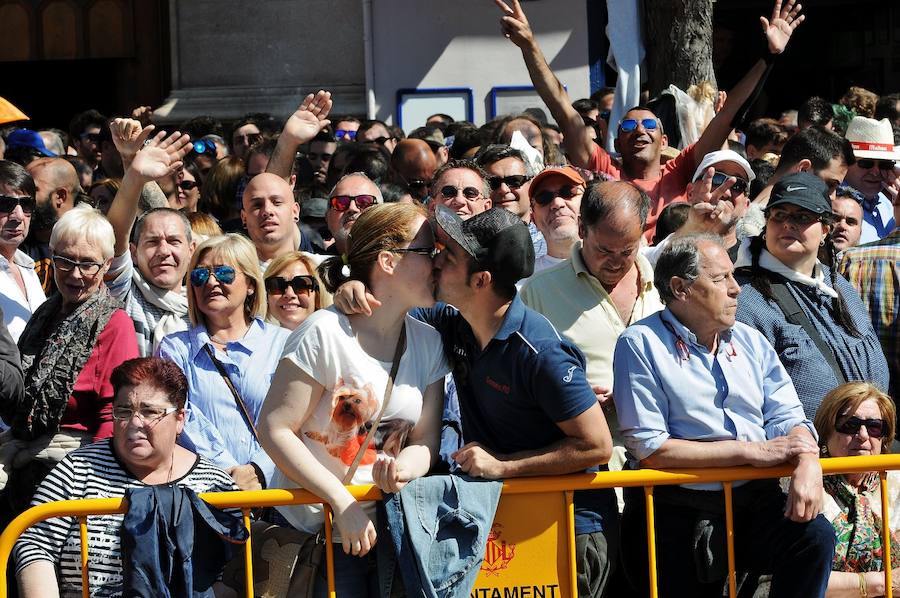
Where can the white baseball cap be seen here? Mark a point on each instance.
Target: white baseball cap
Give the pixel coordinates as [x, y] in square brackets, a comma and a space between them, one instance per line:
[723, 156]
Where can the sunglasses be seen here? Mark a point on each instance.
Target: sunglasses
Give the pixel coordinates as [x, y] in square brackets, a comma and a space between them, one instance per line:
[513, 181]
[249, 139]
[544, 198]
[449, 192]
[224, 274]
[92, 137]
[868, 163]
[429, 252]
[303, 284]
[379, 140]
[605, 115]
[629, 124]
[64, 264]
[739, 187]
[876, 428]
[341, 203]
[342, 135]
[9, 203]
[203, 146]
[188, 185]
[803, 218]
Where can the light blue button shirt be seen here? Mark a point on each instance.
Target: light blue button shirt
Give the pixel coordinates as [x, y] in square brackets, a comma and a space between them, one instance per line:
[878, 219]
[215, 426]
[667, 385]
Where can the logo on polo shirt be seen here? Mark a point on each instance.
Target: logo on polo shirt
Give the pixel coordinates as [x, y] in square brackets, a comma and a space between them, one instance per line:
[569, 374]
[504, 388]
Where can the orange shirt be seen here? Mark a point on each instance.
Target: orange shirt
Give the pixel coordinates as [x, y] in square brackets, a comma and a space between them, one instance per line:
[669, 187]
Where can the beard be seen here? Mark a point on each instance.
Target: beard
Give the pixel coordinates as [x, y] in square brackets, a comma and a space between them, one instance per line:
[43, 217]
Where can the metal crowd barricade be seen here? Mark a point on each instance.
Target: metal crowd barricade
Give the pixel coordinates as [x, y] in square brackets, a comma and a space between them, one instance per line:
[647, 478]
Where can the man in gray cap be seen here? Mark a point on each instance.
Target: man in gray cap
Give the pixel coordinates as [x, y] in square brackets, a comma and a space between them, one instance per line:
[525, 405]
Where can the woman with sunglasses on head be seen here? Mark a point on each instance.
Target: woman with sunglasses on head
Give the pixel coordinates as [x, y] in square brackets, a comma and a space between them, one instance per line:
[812, 316]
[68, 348]
[857, 419]
[148, 414]
[228, 355]
[335, 381]
[293, 290]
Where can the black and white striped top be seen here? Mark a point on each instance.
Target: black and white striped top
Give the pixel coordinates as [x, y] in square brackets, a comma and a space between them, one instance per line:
[94, 472]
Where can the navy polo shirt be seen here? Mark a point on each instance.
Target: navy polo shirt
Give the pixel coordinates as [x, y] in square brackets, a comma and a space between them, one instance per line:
[512, 394]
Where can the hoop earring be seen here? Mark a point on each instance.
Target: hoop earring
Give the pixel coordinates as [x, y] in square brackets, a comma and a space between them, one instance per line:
[822, 243]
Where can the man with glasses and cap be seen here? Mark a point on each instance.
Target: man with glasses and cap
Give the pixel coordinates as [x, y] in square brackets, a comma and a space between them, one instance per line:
[526, 407]
[874, 174]
[462, 186]
[639, 135]
[555, 197]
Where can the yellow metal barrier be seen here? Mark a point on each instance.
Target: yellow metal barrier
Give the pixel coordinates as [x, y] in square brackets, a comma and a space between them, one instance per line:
[648, 478]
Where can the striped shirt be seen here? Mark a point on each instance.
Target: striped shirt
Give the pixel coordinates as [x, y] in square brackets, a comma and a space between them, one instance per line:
[94, 472]
[874, 269]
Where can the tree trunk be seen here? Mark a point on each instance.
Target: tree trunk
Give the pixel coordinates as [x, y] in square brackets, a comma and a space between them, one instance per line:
[678, 41]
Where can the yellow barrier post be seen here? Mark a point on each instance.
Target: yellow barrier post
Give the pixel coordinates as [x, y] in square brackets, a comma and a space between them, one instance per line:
[85, 571]
[570, 533]
[329, 550]
[248, 555]
[651, 540]
[729, 538]
[886, 536]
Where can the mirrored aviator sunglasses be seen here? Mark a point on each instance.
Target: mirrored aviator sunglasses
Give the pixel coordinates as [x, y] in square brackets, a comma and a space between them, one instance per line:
[629, 124]
[9, 203]
[224, 274]
[302, 284]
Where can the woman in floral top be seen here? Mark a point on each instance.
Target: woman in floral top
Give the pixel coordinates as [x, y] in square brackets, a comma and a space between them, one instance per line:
[857, 419]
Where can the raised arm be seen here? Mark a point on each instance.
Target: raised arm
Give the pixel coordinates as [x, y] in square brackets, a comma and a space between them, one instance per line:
[777, 30]
[302, 127]
[516, 28]
[159, 156]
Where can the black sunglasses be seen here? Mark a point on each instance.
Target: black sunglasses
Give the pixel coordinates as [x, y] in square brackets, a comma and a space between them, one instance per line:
[188, 185]
[513, 181]
[9, 203]
[378, 140]
[868, 163]
[544, 198]
[449, 192]
[739, 187]
[876, 428]
[302, 284]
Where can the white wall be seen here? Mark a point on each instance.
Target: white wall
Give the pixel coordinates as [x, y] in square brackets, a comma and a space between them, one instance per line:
[458, 43]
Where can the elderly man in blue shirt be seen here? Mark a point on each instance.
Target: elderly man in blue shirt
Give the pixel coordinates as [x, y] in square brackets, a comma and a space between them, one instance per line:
[694, 388]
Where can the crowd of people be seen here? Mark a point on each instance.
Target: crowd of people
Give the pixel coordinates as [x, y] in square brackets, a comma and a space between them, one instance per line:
[328, 301]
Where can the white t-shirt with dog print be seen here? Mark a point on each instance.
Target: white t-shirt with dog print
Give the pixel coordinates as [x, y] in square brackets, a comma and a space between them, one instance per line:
[325, 347]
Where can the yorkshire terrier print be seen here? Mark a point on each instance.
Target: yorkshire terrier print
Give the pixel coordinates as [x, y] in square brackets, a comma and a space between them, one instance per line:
[351, 410]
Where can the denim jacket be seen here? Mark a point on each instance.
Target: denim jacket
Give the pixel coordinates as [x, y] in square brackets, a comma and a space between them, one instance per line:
[439, 527]
[165, 527]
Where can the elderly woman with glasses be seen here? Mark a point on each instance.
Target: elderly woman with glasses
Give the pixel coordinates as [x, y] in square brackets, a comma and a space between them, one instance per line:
[148, 414]
[69, 348]
[857, 419]
[293, 290]
[333, 380]
[812, 316]
[229, 356]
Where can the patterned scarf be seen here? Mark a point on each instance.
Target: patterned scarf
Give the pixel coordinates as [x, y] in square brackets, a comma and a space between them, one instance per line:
[858, 527]
[53, 359]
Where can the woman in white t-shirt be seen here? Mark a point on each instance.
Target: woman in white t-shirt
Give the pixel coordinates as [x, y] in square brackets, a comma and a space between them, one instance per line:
[331, 382]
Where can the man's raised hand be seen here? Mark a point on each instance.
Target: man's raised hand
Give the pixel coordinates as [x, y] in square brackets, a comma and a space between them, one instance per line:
[129, 135]
[310, 118]
[780, 27]
[514, 23]
[161, 155]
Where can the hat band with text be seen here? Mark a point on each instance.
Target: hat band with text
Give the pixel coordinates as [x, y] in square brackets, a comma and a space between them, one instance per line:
[872, 147]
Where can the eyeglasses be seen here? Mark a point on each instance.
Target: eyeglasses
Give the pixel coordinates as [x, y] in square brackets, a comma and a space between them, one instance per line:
[224, 274]
[470, 193]
[605, 115]
[803, 218]
[64, 264]
[429, 252]
[629, 124]
[302, 285]
[378, 140]
[9, 203]
[147, 415]
[868, 163]
[91, 137]
[739, 187]
[875, 428]
[341, 203]
[204, 146]
[341, 134]
[248, 139]
[188, 185]
[513, 181]
[544, 198]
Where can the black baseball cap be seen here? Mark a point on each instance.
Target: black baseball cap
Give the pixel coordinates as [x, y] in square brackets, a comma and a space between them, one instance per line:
[804, 190]
[498, 240]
